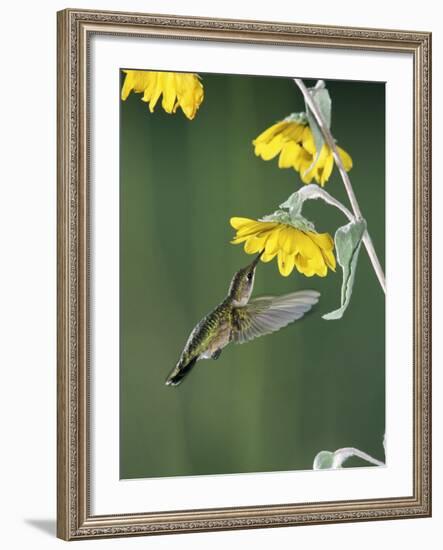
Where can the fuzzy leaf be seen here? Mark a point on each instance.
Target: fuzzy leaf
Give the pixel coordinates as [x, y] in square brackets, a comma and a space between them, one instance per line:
[322, 99]
[299, 118]
[348, 240]
[294, 203]
[293, 215]
[325, 460]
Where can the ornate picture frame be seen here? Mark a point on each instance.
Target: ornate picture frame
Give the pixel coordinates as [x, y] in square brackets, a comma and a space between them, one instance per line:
[75, 519]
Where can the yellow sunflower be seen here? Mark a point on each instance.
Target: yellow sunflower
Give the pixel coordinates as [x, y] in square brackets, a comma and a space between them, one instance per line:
[179, 90]
[293, 140]
[309, 252]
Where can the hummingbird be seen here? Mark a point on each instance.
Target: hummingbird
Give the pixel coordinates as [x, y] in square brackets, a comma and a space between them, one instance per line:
[238, 319]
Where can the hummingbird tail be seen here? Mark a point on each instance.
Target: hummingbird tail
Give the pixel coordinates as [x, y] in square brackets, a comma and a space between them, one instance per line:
[179, 372]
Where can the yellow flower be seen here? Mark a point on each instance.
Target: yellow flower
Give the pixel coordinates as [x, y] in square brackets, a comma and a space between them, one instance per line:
[294, 142]
[309, 252]
[179, 90]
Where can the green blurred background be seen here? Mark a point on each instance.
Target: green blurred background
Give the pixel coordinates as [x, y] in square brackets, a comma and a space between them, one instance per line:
[274, 403]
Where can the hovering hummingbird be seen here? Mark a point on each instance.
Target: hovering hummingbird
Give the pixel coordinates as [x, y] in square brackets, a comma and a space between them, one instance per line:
[239, 320]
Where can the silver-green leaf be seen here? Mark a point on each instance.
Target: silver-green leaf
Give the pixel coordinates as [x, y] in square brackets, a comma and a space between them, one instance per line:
[294, 203]
[348, 241]
[322, 99]
[291, 215]
[323, 460]
[326, 460]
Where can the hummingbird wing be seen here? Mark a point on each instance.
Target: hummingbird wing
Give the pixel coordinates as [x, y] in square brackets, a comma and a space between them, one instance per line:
[271, 313]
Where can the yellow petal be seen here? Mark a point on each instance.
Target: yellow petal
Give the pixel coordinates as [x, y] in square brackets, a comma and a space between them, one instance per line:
[127, 85]
[308, 248]
[325, 172]
[135, 80]
[321, 270]
[169, 92]
[289, 155]
[306, 170]
[190, 93]
[285, 263]
[294, 132]
[237, 222]
[309, 268]
[255, 244]
[288, 240]
[345, 158]
[155, 92]
[149, 85]
[247, 228]
[268, 256]
[308, 141]
[323, 156]
[315, 167]
[323, 240]
[268, 151]
[272, 242]
[257, 228]
[302, 266]
[270, 132]
[305, 166]
[329, 258]
[239, 240]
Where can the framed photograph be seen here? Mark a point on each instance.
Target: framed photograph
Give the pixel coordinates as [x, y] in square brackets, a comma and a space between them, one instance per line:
[243, 274]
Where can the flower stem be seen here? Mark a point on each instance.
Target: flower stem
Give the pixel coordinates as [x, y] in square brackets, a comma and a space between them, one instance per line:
[367, 241]
[343, 454]
[313, 191]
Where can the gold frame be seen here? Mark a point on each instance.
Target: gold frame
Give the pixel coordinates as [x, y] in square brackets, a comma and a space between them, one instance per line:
[74, 520]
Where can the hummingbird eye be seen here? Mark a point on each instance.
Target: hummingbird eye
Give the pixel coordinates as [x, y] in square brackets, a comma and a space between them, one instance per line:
[249, 276]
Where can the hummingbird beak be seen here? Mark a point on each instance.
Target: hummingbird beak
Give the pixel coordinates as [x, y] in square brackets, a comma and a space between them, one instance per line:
[256, 260]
